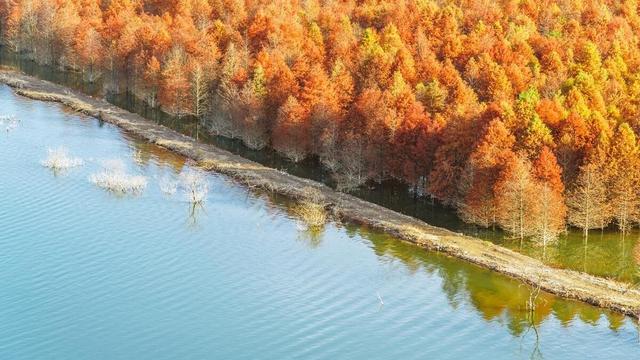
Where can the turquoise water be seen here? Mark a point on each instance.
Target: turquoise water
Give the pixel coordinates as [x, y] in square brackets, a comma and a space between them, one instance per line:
[86, 274]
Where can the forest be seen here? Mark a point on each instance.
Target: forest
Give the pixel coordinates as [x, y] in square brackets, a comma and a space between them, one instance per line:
[519, 114]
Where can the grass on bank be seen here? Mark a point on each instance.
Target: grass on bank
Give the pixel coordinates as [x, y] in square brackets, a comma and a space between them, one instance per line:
[312, 208]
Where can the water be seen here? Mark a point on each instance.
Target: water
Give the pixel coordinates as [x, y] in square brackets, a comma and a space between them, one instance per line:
[86, 274]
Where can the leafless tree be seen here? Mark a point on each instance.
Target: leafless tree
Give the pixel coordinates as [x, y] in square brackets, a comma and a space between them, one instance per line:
[587, 201]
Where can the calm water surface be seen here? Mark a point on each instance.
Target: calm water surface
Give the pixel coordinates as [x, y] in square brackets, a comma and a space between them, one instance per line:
[85, 274]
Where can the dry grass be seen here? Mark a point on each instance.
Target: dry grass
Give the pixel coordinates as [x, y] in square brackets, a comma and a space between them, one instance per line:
[12, 81]
[311, 209]
[419, 236]
[82, 107]
[68, 100]
[208, 165]
[39, 95]
[173, 144]
[115, 179]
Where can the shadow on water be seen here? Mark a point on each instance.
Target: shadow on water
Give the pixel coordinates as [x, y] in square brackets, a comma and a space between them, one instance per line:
[606, 253]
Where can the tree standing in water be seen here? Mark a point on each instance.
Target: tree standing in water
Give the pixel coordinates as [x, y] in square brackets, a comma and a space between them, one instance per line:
[516, 198]
[587, 201]
[550, 220]
[625, 182]
[483, 169]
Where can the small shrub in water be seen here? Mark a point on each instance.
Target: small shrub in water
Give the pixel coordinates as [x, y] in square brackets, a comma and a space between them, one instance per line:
[114, 178]
[168, 186]
[9, 123]
[195, 186]
[59, 159]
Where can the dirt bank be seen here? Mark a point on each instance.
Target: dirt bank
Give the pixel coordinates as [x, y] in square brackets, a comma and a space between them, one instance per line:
[567, 283]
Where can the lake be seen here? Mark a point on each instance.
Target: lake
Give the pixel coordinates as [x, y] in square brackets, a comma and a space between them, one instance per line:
[88, 274]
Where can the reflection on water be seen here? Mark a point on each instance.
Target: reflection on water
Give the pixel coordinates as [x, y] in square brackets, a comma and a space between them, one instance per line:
[86, 274]
[196, 213]
[605, 254]
[146, 154]
[495, 297]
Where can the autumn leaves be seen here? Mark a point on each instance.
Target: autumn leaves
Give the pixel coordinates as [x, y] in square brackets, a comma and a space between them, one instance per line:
[607, 188]
[528, 198]
[521, 115]
[501, 187]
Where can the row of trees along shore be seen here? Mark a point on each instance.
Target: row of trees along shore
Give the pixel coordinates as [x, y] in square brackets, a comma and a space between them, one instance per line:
[519, 113]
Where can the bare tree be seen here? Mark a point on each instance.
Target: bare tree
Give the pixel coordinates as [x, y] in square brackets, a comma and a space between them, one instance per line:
[624, 201]
[351, 171]
[199, 90]
[587, 201]
[550, 216]
[515, 195]
[92, 44]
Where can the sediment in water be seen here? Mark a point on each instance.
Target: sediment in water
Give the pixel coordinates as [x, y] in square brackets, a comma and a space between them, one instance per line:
[571, 284]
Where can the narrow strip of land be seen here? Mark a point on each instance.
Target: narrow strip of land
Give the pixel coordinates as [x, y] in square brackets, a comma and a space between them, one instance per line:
[566, 283]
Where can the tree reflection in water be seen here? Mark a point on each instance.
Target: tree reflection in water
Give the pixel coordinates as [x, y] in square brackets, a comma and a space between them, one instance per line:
[196, 211]
[494, 296]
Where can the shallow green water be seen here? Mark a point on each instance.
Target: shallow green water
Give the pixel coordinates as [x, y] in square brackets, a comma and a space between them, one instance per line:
[606, 253]
[85, 274]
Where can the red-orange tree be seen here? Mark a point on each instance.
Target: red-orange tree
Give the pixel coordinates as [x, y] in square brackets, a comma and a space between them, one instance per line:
[382, 89]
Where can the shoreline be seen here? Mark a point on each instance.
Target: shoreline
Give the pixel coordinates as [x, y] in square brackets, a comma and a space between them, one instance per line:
[570, 284]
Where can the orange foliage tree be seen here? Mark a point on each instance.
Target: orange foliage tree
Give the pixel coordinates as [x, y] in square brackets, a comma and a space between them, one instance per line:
[414, 91]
